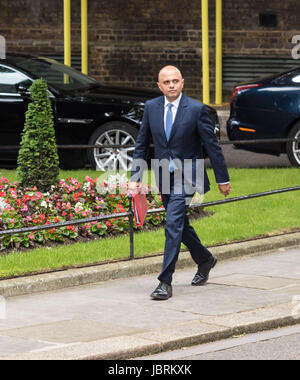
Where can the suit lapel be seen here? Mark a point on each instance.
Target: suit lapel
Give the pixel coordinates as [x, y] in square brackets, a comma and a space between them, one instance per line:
[179, 116]
[161, 118]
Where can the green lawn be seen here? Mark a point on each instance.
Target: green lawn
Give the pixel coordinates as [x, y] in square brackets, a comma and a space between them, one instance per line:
[235, 221]
[78, 174]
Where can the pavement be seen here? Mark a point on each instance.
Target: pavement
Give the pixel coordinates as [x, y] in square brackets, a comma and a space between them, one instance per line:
[105, 312]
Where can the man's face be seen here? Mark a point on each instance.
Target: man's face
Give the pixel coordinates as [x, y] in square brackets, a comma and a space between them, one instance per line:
[170, 82]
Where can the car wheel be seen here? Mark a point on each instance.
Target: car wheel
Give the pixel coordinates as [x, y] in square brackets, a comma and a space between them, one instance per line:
[293, 148]
[113, 133]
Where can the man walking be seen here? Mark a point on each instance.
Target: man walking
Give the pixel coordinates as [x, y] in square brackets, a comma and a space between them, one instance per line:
[179, 127]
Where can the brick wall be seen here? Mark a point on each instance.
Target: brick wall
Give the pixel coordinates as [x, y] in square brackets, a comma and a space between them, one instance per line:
[130, 40]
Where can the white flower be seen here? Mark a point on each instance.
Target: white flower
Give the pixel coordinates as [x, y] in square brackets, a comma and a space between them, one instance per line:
[3, 204]
[44, 204]
[86, 186]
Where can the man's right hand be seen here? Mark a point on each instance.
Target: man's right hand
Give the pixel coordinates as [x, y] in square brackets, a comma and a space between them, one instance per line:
[225, 189]
[134, 185]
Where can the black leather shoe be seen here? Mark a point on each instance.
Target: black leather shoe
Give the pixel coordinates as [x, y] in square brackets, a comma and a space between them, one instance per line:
[162, 292]
[202, 275]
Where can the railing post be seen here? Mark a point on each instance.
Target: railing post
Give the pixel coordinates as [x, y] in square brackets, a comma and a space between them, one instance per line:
[131, 230]
[67, 31]
[84, 37]
[219, 90]
[205, 52]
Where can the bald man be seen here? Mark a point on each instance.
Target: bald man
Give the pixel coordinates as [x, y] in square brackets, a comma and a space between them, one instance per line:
[179, 127]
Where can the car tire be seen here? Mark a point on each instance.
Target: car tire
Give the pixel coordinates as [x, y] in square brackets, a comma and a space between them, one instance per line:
[293, 148]
[113, 133]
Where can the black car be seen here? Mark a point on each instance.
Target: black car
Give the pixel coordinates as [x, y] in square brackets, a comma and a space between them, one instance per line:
[268, 108]
[86, 112]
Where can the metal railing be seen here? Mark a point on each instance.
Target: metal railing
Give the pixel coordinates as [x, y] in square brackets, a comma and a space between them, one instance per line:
[130, 213]
[118, 146]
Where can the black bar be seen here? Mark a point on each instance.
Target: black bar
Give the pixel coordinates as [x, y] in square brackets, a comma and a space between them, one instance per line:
[245, 197]
[221, 142]
[63, 224]
[130, 214]
[258, 141]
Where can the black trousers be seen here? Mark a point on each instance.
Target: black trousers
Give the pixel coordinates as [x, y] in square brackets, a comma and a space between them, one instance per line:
[178, 230]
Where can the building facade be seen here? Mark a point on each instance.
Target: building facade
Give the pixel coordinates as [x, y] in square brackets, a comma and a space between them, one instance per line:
[129, 41]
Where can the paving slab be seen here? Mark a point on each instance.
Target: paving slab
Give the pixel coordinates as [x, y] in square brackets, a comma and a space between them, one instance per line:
[117, 319]
[70, 331]
[255, 281]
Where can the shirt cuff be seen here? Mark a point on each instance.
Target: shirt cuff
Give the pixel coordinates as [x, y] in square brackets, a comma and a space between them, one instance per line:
[224, 183]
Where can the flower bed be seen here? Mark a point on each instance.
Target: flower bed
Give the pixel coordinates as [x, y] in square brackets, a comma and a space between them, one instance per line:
[70, 200]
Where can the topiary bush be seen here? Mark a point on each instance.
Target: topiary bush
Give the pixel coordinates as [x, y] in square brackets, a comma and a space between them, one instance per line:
[38, 162]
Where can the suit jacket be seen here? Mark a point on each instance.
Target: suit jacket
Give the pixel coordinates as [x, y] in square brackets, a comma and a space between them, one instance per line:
[192, 129]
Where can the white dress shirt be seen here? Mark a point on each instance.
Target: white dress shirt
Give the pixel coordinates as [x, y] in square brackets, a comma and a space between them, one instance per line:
[174, 108]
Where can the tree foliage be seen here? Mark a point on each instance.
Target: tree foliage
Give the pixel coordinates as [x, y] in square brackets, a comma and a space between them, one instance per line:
[38, 162]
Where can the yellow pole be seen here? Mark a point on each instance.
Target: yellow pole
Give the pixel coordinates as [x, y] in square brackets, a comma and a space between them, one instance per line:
[205, 52]
[219, 48]
[67, 33]
[84, 36]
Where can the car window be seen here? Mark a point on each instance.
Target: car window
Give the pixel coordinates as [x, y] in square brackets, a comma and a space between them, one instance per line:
[289, 79]
[55, 74]
[9, 79]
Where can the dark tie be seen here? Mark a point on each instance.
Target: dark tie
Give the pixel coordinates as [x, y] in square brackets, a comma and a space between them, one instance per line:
[169, 125]
[169, 121]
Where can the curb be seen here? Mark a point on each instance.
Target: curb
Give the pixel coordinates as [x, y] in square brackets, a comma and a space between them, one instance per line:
[138, 267]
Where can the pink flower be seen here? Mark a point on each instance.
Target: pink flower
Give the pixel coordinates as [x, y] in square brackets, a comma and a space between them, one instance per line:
[31, 236]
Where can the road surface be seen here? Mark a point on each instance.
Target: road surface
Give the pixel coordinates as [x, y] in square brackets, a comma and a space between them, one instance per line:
[279, 344]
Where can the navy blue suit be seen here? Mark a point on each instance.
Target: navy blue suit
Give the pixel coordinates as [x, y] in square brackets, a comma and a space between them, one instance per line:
[192, 129]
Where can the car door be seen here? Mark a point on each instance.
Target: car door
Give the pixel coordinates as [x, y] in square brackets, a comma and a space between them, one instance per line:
[13, 106]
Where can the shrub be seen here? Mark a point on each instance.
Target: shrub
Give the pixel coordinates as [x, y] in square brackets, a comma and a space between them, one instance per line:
[38, 163]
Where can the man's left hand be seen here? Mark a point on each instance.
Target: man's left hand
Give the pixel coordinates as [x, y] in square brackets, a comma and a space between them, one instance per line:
[225, 189]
